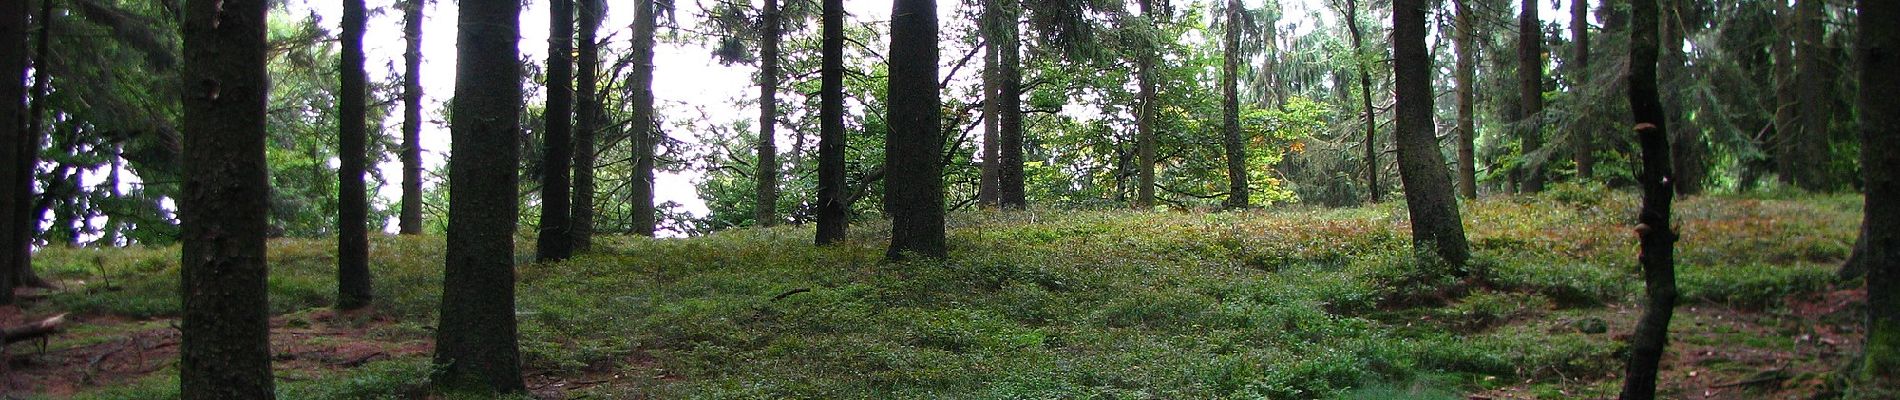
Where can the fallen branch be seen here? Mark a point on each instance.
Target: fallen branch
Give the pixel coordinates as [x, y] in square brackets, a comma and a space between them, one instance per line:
[34, 330]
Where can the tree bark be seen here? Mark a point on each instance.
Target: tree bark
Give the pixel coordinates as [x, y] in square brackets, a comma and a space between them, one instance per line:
[1230, 110]
[1144, 120]
[13, 197]
[1010, 189]
[352, 252]
[1530, 86]
[1467, 77]
[1582, 139]
[767, 175]
[476, 347]
[645, 135]
[555, 241]
[26, 218]
[1784, 143]
[833, 207]
[1879, 40]
[1438, 234]
[410, 221]
[987, 183]
[223, 213]
[1657, 249]
[1689, 152]
[1371, 143]
[587, 121]
[913, 194]
[1812, 93]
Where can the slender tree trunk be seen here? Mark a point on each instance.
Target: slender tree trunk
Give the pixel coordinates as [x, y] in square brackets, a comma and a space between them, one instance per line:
[645, 135]
[1429, 199]
[1783, 144]
[1688, 150]
[225, 353]
[987, 183]
[1657, 251]
[555, 241]
[1530, 86]
[476, 349]
[913, 186]
[27, 217]
[1582, 139]
[1812, 93]
[768, 116]
[1230, 110]
[352, 242]
[1371, 143]
[1879, 39]
[13, 197]
[410, 221]
[833, 207]
[1010, 191]
[1466, 44]
[587, 121]
[1144, 120]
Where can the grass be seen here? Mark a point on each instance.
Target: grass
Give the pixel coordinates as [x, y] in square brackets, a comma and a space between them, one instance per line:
[1288, 303]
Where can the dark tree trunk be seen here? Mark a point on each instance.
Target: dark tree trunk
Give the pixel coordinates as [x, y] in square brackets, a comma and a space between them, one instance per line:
[1371, 143]
[352, 217]
[476, 348]
[1812, 93]
[26, 218]
[225, 353]
[1230, 110]
[587, 121]
[767, 208]
[1784, 143]
[987, 183]
[555, 241]
[1530, 87]
[1879, 116]
[1689, 153]
[833, 207]
[1144, 119]
[1467, 79]
[1657, 249]
[1582, 139]
[1010, 191]
[13, 198]
[645, 135]
[411, 219]
[1436, 225]
[913, 153]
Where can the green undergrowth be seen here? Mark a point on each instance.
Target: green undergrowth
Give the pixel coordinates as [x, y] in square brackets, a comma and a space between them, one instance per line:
[1285, 304]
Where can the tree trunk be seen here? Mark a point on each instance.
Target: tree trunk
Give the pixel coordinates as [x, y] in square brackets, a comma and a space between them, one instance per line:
[1812, 93]
[1010, 190]
[833, 207]
[1436, 226]
[645, 134]
[1144, 120]
[1530, 86]
[411, 218]
[1230, 110]
[767, 175]
[1689, 152]
[13, 197]
[1582, 139]
[476, 348]
[352, 242]
[555, 241]
[1371, 143]
[913, 190]
[1879, 39]
[223, 213]
[1783, 144]
[987, 183]
[27, 217]
[1657, 251]
[1467, 78]
[587, 121]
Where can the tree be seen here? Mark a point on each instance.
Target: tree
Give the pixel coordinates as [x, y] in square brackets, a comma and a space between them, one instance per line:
[1466, 75]
[25, 215]
[556, 239]
[1230, 110]
[1815, 109]
[987, 183]
[1010, 192]
[1879, 40]
[587, 122]
[644, 133]
[1689, 152]
[352, 253]
[833, 207]
[768, 114]
[476, 346]
[1530, 86]
[913, 187]
[410, 221]
[1657, 248]
[12, 139]
[1436, 226]
[1145, 113]
[1365, 88]
[1582, 142]
[225, 351]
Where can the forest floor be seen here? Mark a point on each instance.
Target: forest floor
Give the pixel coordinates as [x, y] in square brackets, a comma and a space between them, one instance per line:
[1284, 303]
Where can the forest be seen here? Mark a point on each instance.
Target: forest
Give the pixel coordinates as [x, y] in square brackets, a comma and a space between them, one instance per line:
[985, 199]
